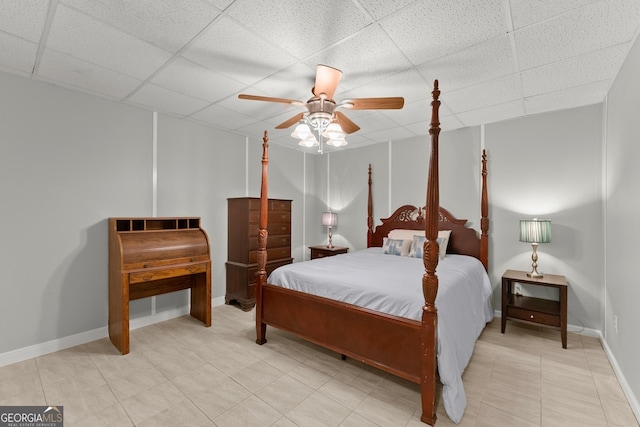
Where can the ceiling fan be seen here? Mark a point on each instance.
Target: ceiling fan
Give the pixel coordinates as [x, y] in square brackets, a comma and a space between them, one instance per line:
[322, 115]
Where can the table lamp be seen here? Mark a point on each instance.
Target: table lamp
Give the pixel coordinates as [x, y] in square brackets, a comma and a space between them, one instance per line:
[535, 231]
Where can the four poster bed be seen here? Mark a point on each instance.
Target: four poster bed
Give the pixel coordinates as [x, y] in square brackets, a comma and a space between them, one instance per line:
[402, 336]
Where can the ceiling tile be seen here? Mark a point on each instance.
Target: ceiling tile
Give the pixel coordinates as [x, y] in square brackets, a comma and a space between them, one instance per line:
[393, 134]
[24, 18]
[527, 12]
[164, 100]
[367, 56]
[85, 76]
[168, 24]
[381, 8]
[232, 50]
[425, 31]
[301, 28]
[197, 81]
[294, 82]
[88, 39]
[493, 113]
[473, 65]
[371, 121]
[588, 94]
[17, 54]
[256, 130]
[415, 112]
[224, 118]
[583, 30]
[576, 71]
[485, 94]
[408, 84]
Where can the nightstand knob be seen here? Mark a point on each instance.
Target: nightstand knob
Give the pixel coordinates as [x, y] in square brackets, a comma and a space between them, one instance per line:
[532, 316]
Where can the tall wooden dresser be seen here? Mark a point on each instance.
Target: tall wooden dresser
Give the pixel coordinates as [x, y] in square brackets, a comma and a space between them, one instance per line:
[242, 246]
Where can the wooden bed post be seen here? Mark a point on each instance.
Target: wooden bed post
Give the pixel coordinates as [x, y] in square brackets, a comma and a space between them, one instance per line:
[263, 233]
[429, 334]
[369, 213]
[484, 220]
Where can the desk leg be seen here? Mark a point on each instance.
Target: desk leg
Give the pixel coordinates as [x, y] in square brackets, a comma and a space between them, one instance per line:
[563, 316]
[505, 285]
[119, 311]
[201, 297]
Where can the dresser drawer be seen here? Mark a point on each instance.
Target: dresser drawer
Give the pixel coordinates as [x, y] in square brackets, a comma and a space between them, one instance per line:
[273, 229]
[533, 316]
[276, 241]
[275, 253]
[272, 218]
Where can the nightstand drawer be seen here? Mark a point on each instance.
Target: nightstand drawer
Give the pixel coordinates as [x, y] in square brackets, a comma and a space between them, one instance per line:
[324, 251]
[533, 316]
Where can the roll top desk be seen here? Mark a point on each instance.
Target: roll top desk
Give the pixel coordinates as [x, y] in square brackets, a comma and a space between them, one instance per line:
[153, 256]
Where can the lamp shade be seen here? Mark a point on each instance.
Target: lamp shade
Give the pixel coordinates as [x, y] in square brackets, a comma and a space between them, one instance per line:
[535, 230]
[329, 219]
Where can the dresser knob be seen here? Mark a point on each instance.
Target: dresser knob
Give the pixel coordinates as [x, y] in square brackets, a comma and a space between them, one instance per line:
[532, 316]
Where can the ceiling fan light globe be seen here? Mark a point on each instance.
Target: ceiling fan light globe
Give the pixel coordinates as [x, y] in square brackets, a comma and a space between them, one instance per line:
[333, 131]
[337, 142]
[301, 131]
[308, 141]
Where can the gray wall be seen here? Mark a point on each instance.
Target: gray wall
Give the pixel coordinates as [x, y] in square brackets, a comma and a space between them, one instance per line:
[549, 166]
[68, 161]
[622, 207]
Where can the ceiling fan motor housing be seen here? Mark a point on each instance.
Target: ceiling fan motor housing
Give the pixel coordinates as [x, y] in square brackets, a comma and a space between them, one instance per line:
[320, 112]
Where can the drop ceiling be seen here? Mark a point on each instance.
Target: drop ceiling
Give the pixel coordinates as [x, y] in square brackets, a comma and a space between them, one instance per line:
[495, 59]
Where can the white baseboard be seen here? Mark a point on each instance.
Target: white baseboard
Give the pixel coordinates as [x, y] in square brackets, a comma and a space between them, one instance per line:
[58, 344]
[631, 397]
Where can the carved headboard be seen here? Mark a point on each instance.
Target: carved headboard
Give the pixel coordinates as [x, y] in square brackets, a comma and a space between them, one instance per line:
[463, 240]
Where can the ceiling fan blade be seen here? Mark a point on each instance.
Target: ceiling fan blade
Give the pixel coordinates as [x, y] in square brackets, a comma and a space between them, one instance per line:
[345, 123]
[327, 79]
[269, 99]
[391, 103]
[290, 122]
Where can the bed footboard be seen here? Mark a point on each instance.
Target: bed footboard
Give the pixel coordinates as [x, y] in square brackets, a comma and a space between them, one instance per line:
[387, 342]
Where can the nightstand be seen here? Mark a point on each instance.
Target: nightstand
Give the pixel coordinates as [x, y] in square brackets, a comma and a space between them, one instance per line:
[323, 251]
[535, 310]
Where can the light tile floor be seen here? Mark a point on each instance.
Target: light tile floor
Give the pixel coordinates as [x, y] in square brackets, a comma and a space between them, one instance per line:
[180, 373]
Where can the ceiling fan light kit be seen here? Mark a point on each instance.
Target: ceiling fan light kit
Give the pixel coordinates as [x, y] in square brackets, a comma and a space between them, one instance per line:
[321, 115]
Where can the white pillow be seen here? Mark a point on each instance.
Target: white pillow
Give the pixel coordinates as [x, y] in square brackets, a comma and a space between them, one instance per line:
[400, 234]
[443, 234]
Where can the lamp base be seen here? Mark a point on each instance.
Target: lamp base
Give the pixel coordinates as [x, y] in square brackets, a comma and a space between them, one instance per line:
[534, 265]
[330, 245]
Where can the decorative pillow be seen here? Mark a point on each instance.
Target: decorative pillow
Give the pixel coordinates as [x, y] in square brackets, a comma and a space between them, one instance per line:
[418, 243]
[407, 236]
[392, 246]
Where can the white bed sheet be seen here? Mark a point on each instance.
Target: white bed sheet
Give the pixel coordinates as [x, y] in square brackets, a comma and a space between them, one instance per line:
[363, 278]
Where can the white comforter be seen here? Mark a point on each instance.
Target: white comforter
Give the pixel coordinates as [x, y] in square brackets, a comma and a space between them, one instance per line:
[393, 284]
